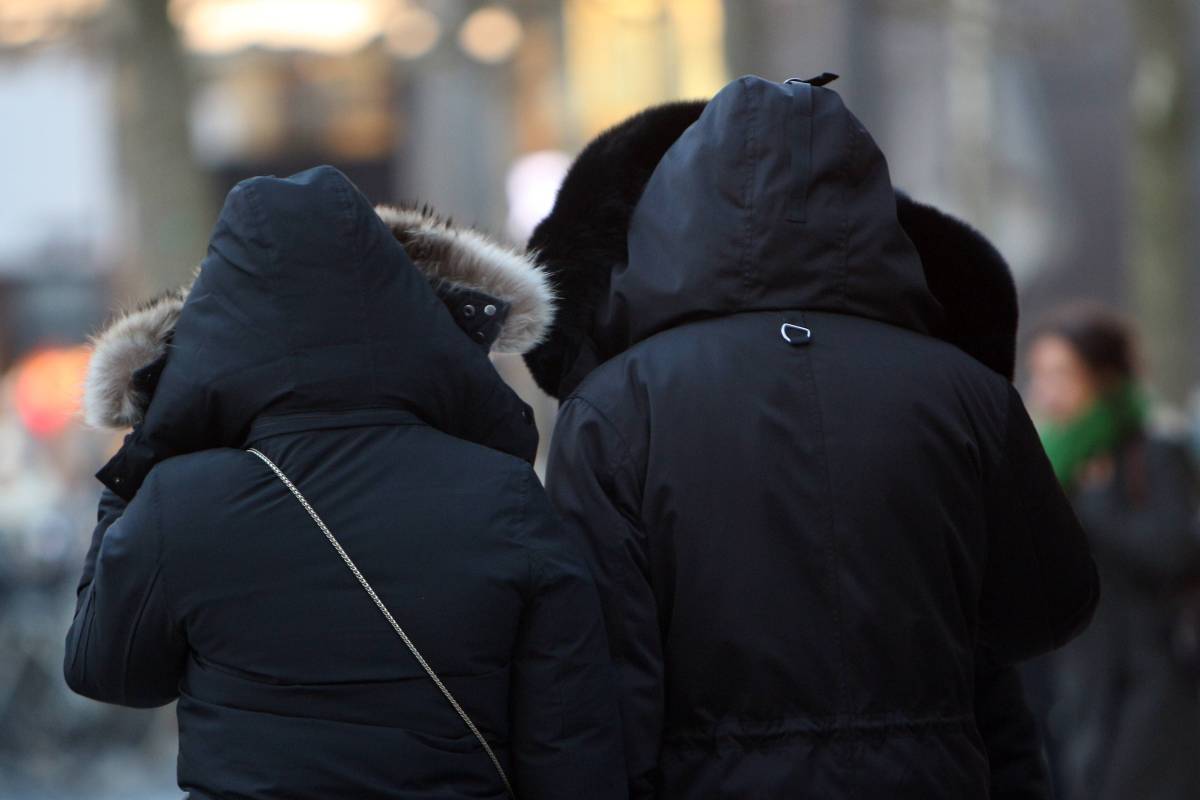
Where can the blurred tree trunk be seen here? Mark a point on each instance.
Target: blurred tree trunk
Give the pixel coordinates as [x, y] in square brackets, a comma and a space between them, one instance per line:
[970, 76]
[172, 204]
[1161, 268]
[745, 24]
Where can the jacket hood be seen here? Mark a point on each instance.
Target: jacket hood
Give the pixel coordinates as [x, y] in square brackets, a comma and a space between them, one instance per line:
[308, 302]
[768, 196]
[775, 198]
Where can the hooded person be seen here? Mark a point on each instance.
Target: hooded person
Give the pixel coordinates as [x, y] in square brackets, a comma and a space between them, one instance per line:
[820, 519]
[349, 347]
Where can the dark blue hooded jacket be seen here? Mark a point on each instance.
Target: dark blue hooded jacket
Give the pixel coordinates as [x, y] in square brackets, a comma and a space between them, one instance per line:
[822, 531]
[310, 335]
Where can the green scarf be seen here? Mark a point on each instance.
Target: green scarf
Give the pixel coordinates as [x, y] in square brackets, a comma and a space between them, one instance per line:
[1112, 419]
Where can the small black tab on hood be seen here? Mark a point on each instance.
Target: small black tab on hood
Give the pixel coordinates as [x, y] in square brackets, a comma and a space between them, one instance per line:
[479, 315]
[824, 79]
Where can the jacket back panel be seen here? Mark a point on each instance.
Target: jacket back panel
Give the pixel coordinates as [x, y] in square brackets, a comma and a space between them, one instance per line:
[288, 654]
[815, 516]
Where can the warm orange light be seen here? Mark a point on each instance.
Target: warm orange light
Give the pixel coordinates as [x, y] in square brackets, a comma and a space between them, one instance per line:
[624, 55]
[413, 32]
[47, 389]
[490, 34]
[24, 22]
[323, 26]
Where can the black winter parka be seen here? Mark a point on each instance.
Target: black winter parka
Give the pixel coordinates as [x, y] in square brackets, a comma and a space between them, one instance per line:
[817, 526]
[309, 335]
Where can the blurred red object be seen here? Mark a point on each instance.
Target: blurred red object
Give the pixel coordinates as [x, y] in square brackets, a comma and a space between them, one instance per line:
[48, 388]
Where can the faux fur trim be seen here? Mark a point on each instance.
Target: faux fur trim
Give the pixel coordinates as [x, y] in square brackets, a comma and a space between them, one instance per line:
[444, 253]
[970, 279]
[584, 239]
[131, 341]
[585, 236]
[466, 258]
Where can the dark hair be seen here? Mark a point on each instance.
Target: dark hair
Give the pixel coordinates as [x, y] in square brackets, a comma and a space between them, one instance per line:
[1102, 338]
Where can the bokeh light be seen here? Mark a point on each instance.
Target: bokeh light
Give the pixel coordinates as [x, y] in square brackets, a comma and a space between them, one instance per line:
[413, 32]
[47, 388]
[531, 186]
[25, 22]
[490, 34]
[323, 26]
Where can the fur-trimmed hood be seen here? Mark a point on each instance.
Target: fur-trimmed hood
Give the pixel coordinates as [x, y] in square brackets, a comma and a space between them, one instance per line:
[587, 238]
[113, 395]
[454, 257]
[307, 306]
[466, 268]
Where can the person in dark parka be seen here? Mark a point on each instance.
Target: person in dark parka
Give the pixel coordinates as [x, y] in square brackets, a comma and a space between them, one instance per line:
[310, 335]
[813, 518]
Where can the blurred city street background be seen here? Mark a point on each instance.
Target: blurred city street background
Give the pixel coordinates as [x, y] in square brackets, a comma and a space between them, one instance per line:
[1066, 130]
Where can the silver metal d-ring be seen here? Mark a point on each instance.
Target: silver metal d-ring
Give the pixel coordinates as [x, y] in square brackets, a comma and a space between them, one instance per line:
[783, 331]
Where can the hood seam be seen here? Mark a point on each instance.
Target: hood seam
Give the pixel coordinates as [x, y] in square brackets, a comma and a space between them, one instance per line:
[847, 229]
[363, 240]
[752, 160]
[250, 192]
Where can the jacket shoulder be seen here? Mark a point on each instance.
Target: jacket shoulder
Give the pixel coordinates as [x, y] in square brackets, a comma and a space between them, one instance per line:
[627, 373]
[616, 393]
[499, 480]
[508, 487]
[943, 366]
[475, 456]
[194, 472]
[988, 399]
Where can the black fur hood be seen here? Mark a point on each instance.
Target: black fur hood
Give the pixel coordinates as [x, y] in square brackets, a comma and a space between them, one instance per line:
[618, 214]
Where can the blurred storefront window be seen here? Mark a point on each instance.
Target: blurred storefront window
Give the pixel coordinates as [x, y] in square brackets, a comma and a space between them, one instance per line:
[625, 55]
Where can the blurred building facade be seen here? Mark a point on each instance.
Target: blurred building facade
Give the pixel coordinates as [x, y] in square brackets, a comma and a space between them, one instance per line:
[1023, 117]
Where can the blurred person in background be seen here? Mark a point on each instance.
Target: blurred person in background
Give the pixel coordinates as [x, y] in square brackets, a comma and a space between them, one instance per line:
[822, 524]
[311, 335]
[1125, 717]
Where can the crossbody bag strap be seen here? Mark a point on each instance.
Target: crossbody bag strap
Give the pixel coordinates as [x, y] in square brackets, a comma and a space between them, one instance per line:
[412, 648]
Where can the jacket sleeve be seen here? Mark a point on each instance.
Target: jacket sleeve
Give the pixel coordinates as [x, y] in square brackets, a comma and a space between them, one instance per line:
[593, 486]
[1156, 539]
[566, 732]
[1040, 584]
[1019, 770]
[123, 645]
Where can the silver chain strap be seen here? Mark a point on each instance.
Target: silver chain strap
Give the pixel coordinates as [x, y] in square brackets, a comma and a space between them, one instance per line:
[412, 648]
